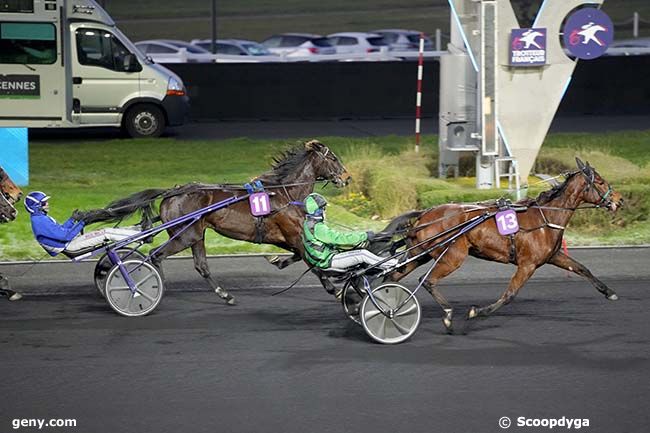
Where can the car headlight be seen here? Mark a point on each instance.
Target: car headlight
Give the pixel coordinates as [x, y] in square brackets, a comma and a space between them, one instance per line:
[175, 87]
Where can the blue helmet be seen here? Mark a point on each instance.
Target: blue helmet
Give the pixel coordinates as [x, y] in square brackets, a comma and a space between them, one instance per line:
[36, 201]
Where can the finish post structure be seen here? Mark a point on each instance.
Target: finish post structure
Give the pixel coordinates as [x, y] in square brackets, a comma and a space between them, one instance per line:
[418, 98]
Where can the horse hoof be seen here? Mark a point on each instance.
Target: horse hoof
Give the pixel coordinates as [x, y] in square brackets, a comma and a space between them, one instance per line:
[448, 325]
[230, 300]
[473, 312]
[613, 297]
[15, 297]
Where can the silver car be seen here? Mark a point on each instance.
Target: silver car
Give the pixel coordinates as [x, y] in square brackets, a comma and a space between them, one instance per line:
[173, 51]
[299, 45]
[235, 47]
[404, 40]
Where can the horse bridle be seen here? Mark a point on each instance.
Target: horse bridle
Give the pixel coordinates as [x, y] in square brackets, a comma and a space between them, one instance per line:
[333, 158]
[590, 175]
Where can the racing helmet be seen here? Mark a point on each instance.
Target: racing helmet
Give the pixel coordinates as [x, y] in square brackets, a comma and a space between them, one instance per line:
[315, 204]
[36, 201]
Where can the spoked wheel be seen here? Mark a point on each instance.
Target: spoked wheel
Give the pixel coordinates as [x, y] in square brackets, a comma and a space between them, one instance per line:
[399, 324]
[351, 301]
[104, 265]
[148, 283]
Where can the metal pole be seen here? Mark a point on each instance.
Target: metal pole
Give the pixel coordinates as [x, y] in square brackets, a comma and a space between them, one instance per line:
[635, 28]
[418, 99]
[213, 46]
[438, 40]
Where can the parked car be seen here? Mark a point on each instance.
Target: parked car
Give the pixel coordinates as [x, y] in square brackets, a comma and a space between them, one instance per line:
[629, 47]
[299, 44]
[357, 42]
[172, 51]
[235, 47]
[404, 40]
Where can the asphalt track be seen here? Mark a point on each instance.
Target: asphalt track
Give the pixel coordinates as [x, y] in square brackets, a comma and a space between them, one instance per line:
[294, 363]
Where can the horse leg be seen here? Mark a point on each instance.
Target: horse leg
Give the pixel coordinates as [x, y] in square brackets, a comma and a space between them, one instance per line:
[516, 283]
[563, 261]
[453, 258]
[201, 266]
[282, 262]
[6, 291]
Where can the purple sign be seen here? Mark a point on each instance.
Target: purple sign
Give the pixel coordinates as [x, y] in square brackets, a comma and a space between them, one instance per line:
[260, 204]
[587, 33]
[507, 222]
[528, 47]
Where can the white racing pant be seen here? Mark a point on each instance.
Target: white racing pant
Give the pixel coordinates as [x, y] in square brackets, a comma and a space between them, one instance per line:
[98, 237]
[351, 258]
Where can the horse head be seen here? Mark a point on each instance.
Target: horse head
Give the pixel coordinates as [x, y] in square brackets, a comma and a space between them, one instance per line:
[597, 190]
[326, 164]
[9, 195]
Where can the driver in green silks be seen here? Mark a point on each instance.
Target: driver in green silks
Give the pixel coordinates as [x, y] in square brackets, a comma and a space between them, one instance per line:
[328, 248]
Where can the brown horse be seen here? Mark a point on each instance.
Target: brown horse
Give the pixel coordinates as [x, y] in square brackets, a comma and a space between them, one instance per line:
[542, 223]
[291, 178]
[9, 195]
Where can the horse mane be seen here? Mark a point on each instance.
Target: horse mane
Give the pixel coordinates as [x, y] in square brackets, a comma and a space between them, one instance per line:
[286, 164]
[548, 195]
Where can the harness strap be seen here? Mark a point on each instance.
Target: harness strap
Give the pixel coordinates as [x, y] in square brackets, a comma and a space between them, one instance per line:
[259, 230]
[513, 249]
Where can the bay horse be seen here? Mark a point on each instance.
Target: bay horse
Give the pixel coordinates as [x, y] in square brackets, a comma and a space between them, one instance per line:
[9, 195]
[538, 241]
[291, 179]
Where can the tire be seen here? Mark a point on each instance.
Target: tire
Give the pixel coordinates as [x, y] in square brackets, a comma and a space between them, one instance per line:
[398, 326]
[145, 300]
[104, 266]
[144, 121]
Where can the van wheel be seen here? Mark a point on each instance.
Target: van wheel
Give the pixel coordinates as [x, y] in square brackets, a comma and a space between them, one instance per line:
[144, 120]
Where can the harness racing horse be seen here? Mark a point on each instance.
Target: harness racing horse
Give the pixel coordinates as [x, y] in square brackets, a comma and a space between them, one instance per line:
[542, 223]
[9, 195]
[291, 178]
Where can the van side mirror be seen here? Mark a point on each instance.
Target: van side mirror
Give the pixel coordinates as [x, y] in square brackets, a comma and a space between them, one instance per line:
[131, 63]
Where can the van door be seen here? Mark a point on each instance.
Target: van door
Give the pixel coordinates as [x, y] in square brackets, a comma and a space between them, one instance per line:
[101, 82]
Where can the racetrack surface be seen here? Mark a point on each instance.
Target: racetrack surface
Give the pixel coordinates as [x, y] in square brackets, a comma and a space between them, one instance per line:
[294, 363]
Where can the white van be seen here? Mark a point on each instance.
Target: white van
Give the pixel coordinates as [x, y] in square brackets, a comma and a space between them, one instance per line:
[63, 63]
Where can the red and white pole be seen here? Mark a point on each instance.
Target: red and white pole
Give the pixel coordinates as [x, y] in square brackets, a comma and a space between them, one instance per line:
[418, 100]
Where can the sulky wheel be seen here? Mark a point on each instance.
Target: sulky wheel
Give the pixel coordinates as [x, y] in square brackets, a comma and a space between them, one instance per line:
[104, 266]
[148, 283]
[351, 301]
[398, 325]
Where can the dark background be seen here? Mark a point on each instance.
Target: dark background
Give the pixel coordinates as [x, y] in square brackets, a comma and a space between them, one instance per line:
[357, 90]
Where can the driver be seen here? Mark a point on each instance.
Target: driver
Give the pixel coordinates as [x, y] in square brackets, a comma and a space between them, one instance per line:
[55, 237]
[328, 248]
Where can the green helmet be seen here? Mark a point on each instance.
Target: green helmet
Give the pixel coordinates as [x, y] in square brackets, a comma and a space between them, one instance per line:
[315, 204]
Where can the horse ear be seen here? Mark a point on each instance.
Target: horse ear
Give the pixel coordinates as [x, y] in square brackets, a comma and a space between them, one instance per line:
[313, 145]
[581, 165]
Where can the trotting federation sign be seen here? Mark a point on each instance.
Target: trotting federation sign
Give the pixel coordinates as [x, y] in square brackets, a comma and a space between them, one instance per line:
[528, 47]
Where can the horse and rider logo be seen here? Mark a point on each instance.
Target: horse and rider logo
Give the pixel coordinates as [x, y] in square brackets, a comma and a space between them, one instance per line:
[588, 33]
[528, 47]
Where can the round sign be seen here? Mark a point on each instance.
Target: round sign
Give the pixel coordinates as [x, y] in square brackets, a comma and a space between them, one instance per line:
[587, 33]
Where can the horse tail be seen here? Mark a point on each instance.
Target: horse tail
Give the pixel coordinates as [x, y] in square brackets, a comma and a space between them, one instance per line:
[398, 226]
[142, 201]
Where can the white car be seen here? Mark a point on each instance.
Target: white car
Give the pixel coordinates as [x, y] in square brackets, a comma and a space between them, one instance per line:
[299, 45]
[358, 43]
[172, 51]
[404, 40]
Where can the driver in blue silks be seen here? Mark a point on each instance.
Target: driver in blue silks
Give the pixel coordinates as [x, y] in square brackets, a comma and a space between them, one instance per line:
[55, 237]
[52, 236]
